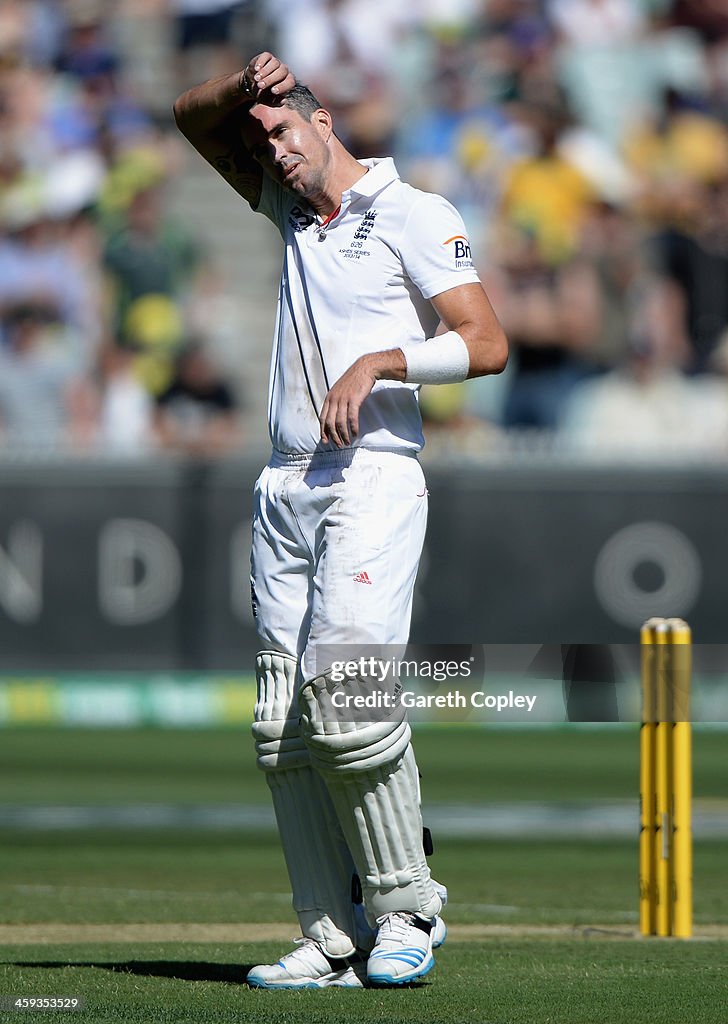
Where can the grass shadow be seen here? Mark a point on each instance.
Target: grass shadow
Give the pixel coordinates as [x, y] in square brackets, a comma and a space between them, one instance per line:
[229, 974]
[233, 974]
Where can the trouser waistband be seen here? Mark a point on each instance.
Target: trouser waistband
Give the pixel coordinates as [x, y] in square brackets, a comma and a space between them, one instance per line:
[333, 457]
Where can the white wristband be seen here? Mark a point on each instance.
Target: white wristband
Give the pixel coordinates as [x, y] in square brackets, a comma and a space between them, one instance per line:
[441, 360]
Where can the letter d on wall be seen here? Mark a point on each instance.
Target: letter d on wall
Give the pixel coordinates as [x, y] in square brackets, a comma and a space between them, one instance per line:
[140, 572]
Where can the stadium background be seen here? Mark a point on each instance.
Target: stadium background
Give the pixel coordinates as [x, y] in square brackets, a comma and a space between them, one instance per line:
[586, 144]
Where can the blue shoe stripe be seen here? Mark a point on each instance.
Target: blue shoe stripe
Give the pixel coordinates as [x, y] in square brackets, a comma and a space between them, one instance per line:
[412, 950]
[416, 955]
[413, 961]
[390, 979]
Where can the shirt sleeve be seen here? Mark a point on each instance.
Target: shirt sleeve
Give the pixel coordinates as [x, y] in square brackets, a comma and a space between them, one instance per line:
[434, 247]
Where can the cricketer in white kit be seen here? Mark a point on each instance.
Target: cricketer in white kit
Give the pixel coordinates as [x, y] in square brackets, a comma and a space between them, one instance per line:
[371, 267]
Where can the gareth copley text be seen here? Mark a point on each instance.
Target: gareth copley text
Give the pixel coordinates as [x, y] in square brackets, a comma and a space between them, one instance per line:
[450, 699]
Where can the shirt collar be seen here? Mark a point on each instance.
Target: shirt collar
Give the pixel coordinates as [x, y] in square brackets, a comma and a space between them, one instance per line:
[381, 172]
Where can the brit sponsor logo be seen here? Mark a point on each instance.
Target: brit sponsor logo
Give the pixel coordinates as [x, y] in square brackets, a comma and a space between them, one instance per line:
[461, 252]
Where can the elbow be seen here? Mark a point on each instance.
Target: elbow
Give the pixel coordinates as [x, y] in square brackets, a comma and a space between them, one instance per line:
[492, 356]
[179, 112]
[500, 354]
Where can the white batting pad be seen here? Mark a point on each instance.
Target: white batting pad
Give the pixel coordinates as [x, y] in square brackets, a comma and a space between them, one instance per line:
[276, 731]
[380, 817]
[337, 745]
[319, 864]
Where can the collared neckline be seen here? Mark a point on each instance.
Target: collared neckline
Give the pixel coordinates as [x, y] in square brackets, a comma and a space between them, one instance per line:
[380, 172]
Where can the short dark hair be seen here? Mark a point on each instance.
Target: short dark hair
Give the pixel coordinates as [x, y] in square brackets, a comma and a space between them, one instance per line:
[301, 98]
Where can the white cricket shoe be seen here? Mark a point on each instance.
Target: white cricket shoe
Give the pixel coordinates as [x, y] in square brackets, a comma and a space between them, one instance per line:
[366, 936]
[403, 951]
[308, 966]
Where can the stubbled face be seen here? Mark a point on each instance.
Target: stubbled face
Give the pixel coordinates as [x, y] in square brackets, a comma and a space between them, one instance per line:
[292, 150]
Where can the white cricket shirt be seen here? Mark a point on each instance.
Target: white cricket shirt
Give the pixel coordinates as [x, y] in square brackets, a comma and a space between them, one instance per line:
[360, 285]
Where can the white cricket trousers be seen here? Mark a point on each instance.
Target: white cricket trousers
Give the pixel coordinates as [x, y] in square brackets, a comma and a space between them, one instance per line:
[337, 539]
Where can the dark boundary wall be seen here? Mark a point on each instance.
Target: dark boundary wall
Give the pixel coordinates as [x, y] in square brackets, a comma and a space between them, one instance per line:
[144, 566]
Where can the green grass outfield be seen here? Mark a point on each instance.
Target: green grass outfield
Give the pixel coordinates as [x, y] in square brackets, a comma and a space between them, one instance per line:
[152, 924]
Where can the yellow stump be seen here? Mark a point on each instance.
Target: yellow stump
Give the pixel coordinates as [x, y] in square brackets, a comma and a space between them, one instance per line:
[647, 782]
[665, 780]
[682, 834]
[663, 794]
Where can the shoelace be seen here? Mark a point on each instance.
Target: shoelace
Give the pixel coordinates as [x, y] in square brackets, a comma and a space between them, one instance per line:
[302, 943]
[394, 926]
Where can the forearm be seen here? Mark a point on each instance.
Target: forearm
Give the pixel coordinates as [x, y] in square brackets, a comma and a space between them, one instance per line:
[470, 351]
[389, 364]
[212, 116]
[441, 360]
[204, 109]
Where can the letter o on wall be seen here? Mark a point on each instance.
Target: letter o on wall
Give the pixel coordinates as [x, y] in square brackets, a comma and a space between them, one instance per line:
[657, 544]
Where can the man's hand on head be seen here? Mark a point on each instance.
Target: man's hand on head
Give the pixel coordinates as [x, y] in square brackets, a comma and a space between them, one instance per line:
[266, 73]
[209, 116]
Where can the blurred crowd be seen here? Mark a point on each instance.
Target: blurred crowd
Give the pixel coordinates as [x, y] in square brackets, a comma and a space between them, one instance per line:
[585, 142]
[106, 335]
